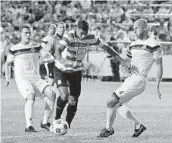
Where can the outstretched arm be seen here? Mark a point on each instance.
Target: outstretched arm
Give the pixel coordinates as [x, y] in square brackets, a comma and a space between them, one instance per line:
[112, 52]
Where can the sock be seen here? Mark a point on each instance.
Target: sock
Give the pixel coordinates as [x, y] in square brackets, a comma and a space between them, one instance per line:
[60, 106]
[29, 112]
[71, 111]
[49, 105]
[111, 115]
[125, 112]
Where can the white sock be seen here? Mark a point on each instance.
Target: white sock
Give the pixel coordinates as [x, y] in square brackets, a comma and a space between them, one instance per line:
[111, 114]
[49, 106]
[125, 112]
[29, 112]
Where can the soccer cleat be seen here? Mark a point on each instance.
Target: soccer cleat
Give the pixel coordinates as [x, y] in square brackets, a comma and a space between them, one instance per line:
[45, 126]
[105, 133]
[30, 129]
[138, 132]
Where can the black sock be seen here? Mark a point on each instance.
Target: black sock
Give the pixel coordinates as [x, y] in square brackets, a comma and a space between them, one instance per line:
[71, 111]
[59, 108]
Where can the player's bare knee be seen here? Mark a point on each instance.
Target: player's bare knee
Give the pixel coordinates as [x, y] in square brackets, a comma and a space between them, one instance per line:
[30, 97]
[73, 101]
[52, 97]
[48, 92]
[113, 101]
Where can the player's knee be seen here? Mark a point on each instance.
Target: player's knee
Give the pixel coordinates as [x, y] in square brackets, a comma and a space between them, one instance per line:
[48, 91]
[30, 97]
[52, 97]
[113, 101]
[73, 101]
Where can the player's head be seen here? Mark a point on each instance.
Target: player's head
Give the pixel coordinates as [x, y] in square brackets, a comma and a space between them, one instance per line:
[82, 29]
[25, 30]
[61, 27]
[52, 29]
[141, 28]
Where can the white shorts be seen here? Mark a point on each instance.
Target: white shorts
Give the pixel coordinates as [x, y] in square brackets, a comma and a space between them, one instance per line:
[132, 86]
[27, 87]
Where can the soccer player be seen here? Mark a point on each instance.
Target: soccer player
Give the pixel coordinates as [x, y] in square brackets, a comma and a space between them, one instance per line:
[70, 53]
[47, 41]
[49, 46]
[144, 52]
[26, 57]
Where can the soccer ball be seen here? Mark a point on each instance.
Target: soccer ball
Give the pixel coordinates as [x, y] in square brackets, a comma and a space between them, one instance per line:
[59, 127]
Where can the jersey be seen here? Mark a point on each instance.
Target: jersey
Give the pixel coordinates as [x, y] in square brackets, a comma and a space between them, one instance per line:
[26, 60]
[143, 54]
[75, 51]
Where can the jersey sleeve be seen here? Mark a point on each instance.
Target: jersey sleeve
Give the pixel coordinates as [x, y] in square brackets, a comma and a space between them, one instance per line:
[157, 52]
[65, 40]
[95, 40]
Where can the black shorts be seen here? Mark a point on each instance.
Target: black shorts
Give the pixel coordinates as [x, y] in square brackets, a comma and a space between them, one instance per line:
[71, 80]
[43, 71]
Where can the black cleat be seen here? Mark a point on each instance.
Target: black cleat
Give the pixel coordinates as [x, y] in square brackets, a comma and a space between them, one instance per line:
[138, 132]
[105, 133]
[30, 129]
[45, 126]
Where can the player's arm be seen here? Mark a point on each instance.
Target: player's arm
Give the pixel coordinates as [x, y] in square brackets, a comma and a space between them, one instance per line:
[112, 52]
[45, 56]
[59, 48]
[10, 59]
[158, 59]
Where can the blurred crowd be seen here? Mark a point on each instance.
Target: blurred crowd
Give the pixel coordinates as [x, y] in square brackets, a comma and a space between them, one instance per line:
[110, 20]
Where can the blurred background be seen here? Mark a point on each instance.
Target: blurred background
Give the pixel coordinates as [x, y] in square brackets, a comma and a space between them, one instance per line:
[112, 21]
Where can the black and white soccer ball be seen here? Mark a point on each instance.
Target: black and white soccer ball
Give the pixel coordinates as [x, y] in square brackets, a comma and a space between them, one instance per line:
[59, 127]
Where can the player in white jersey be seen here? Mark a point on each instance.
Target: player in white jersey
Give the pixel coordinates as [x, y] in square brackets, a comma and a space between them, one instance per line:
[70, 53]
[144, 52]
[26, 56]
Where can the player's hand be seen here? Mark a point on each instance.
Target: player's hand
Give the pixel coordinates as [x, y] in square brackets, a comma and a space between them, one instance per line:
[159, 93]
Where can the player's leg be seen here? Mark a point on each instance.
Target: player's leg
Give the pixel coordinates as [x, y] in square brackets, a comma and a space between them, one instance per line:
[124, 94]
[29, 108]
[127, 114]
[137, 87]
[75, 90]
[112, 104]
[49, 98]
[61, 82]
[26, 89]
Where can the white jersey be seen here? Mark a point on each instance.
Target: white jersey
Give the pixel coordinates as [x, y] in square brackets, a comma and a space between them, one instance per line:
[26, 60]
[144, 53]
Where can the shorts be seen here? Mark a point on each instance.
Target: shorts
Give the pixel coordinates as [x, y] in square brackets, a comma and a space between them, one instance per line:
[43, 71]
[27, 87]
[71, 80]
[132, 86]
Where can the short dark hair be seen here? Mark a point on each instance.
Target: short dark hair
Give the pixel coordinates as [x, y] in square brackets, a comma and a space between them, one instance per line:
[83, 24]
[25, 25]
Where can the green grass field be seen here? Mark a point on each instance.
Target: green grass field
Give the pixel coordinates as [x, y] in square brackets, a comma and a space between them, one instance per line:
[155, 114]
